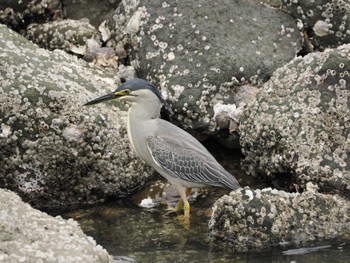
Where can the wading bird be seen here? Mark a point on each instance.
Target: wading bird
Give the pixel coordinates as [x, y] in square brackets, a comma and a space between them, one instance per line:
[171, 151]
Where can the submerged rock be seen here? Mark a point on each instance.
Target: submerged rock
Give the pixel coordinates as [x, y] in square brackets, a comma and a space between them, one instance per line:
[300, 124]
[28, 235]
[251, 219]
[54, 151]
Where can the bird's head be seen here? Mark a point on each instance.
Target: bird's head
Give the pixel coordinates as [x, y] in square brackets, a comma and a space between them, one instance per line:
[134, 90]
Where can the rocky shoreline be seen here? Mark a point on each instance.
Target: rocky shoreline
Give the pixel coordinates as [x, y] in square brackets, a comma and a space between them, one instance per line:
[271, 79]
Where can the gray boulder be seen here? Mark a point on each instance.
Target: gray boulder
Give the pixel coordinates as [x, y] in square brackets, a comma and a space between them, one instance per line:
[201, 51]
[54, 151]
[326, 23]
[68, 35]
[28, 235]
[94, 11]
[252, 219]
[75, 37]
[299, 124]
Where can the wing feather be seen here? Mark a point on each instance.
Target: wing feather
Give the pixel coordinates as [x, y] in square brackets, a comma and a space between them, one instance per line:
[190, 163]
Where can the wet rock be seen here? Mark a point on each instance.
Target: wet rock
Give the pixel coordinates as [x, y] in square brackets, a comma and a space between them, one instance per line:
[28, 235]
[68, 35]
[326, 23]
[251, 219]
[54, 151]
[94, 11]
[299, 123]
[200, 51]
[19, 14]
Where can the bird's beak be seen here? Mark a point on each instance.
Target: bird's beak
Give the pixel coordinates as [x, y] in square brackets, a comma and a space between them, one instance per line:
[107, 97]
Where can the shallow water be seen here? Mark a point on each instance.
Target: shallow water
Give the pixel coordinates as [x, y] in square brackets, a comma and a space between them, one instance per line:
[135, 234]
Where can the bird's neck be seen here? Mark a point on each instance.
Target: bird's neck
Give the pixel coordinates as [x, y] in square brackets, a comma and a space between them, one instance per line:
[139, 126]
[144, 111]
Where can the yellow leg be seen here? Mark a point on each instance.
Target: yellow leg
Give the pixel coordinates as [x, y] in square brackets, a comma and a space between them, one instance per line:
[183, 192]
[181, 201]
[179, 205]
[187, 210]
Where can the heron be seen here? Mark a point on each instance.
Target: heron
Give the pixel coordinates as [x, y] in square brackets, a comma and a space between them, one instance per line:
[171, 151]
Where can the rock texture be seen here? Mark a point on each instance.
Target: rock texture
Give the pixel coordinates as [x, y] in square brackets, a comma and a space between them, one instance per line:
[66, 34]
[95, 11]
[54, 151]
[326, 23]
[210, 59]
[252, 219]
[300, 123]
[18, 14]
[200, 51]
[28, 235]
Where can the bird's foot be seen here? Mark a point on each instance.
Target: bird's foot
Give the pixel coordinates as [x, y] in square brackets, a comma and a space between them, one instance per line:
[184, 221]
[170, 209]
[176, 209]
[185, 218]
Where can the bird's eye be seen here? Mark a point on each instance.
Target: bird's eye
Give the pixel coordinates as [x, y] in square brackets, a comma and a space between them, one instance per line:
[126, 91]
[122, 92]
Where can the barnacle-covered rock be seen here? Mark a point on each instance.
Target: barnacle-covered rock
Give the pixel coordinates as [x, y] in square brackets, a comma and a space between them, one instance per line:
[18, 14]
[250, 219]
[54, 151]
[299, 123]
[326, 23]
[28, 235]
[200, 51]
[69, 35]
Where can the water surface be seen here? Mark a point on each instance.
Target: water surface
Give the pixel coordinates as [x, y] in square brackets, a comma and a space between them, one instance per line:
[135, 234]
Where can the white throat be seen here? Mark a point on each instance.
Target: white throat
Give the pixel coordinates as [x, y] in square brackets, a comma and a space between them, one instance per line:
[144, 109]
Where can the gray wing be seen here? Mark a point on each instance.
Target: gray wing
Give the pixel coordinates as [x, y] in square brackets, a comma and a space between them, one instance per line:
[190, 162]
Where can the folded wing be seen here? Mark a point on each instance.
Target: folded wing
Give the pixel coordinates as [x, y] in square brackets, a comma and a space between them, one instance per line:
[189, 161]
